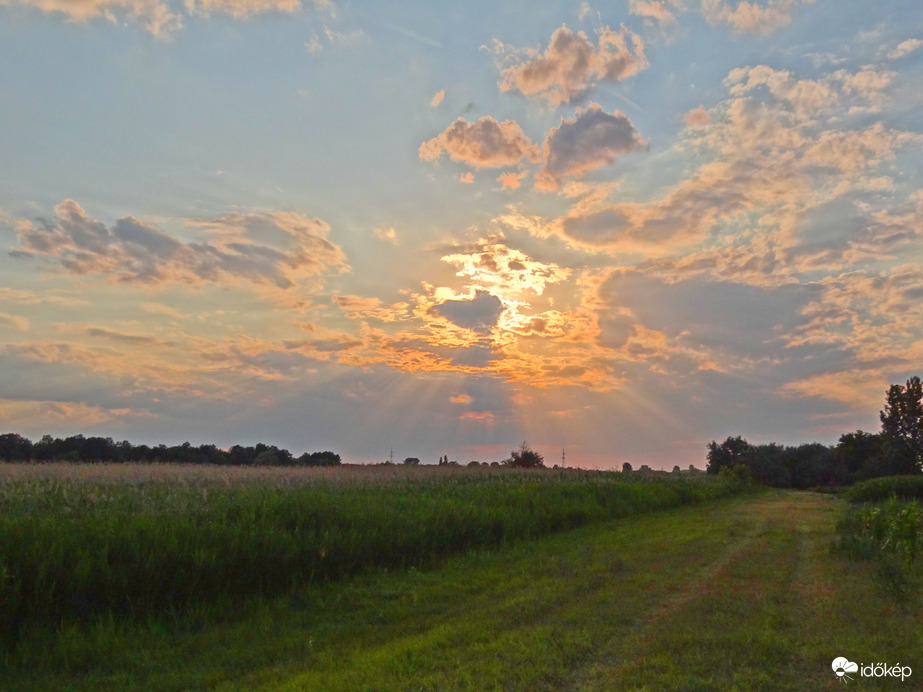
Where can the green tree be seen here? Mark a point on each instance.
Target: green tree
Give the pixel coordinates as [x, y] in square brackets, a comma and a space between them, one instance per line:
[626, 467]
[734, 450]
[902, 426]
[525, 458]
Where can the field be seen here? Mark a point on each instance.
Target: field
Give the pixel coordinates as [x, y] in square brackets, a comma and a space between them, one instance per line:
[475, 579]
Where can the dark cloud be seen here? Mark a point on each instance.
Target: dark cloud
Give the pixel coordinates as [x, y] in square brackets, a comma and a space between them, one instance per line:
[591, 140]
[480, 313]
[258, 247]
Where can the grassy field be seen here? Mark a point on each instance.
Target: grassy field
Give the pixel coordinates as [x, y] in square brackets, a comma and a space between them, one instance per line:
[742, 593]
[132, 542]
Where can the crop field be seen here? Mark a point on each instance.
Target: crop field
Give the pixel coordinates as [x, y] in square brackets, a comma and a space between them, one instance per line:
[126, 541]
[390, 578]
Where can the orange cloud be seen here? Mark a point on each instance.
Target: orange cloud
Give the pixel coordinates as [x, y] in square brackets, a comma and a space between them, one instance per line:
[483, 417]
[751, 17]
[512, 181]
[437, 99]
[484, 143]
[697, 117]
[652, 9]
[156, 15]
[572, 64]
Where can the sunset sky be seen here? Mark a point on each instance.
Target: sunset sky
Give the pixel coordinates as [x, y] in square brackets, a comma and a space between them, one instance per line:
[622, 228]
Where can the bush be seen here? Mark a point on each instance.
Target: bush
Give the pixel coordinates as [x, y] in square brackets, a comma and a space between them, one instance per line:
[890, 533]
[878, 489]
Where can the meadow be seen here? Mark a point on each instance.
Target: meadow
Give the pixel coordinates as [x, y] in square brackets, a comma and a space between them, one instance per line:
[83, 543]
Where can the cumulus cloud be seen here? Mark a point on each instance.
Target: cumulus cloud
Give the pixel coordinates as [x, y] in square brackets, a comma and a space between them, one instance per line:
[484, 143]
[571, 64]
[278, 249]
[697, 117]
[751, 17]
[591, 140]
[905, 48]
[158, 18]
[512, 181]
[652, 9]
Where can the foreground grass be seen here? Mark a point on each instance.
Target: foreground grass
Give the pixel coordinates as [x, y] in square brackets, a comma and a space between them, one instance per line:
[737, 594]
[72, 552]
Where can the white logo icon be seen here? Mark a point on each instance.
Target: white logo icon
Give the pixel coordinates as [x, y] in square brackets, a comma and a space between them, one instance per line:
[841, 666]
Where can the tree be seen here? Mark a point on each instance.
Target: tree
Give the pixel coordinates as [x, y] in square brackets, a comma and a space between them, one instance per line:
[902, 426]
[15, 447]
[524, 457]
[734, 450]
[626, 467]
[411, 461]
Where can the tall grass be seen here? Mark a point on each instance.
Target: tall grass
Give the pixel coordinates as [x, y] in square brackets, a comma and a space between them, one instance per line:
[904, 487]
[117, 543]
[891, 533]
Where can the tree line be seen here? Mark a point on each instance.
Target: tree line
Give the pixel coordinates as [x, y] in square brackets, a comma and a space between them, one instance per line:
[77, 448]
[896, 449]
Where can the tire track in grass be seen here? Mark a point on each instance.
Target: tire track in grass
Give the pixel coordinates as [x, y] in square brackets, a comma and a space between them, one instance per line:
[740, 599]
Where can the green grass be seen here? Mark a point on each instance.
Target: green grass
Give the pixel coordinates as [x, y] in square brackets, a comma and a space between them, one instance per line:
[79, 552]
[903, 487]
[890, 534]
[740, 594]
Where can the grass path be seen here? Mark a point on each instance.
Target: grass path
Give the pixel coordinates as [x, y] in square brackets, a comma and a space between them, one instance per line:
[731, 595]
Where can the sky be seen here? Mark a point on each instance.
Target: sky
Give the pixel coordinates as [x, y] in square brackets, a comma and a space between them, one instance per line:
[616, 230]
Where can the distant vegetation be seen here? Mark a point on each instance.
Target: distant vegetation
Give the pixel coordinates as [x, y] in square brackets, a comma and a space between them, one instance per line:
[879, 489]
[77, 448]
[82, 542]
[897, 449]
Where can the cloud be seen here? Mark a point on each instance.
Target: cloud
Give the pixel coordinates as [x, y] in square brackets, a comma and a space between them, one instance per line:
[16, 322]
[438, 98]
[386, 233]
[652, 9]
[279, 249]
[591, 140]
[156, 15]
[461, 399]
[905, 48]
[697, 117]
[484, 143]
[479, 313]
[240, 9]
[159, 17]
[483, 417]
[751, 17]
[512, 181]
[466, 178]
[571, 64]
[346, 40]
